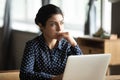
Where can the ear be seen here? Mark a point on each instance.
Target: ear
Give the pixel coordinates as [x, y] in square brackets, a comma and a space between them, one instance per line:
[40, 25]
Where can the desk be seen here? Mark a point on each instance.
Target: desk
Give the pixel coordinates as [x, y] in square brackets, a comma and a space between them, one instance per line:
[9, 75]
[14, 75]
[113, 77]
[92, 45]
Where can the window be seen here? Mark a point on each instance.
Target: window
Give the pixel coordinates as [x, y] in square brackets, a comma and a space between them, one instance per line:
[23, 13]
[75, 13]
[2, 8]
[107, 8]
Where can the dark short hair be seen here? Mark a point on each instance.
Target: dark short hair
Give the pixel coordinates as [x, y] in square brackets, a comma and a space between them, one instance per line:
[45, 12]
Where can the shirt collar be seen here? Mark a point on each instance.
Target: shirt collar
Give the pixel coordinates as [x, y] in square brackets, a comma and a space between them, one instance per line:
[42, 40]
[60, 43]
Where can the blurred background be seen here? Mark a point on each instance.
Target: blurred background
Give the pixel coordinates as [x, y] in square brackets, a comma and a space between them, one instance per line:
[81, 17]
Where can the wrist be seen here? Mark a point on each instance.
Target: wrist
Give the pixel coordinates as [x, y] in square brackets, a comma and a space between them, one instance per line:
[53, 77]
[73, 43]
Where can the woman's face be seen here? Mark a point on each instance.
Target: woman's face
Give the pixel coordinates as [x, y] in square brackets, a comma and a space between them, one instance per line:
[53, 25]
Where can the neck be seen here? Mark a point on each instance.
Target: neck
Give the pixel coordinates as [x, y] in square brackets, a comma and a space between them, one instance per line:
[51, 43]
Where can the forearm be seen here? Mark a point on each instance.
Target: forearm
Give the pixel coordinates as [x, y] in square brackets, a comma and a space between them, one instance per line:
[75, 50]
[72, 41]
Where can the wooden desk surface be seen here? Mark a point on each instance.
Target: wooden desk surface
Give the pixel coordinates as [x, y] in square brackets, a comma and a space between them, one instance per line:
[9, 75]
[93, 45]
[113, 77]
[14, 75]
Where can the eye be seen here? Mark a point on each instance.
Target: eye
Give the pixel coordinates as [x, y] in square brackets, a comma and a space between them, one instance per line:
[52, 24]
[61, 22]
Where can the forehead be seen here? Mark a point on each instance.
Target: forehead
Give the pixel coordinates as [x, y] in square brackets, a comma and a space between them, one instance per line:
[56, 17]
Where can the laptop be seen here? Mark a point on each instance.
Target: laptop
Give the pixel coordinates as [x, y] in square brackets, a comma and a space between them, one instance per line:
[86, 67]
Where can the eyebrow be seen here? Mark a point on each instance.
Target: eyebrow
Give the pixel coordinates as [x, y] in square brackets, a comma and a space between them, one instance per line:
[55, 21]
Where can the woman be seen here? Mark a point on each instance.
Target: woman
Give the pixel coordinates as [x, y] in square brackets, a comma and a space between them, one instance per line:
[45, 56]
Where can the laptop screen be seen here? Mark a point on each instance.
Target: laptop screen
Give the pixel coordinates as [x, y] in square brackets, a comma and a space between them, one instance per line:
[86, 67]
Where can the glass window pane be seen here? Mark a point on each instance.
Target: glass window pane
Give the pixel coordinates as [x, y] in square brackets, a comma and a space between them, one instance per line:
[23, 14]
[32, 9]
[2, 8]
[98, 13]
[18, 10]
[107, 7]
[74, 14]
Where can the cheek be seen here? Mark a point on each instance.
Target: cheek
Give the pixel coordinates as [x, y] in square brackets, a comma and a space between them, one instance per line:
[62, 29]
[51, 32]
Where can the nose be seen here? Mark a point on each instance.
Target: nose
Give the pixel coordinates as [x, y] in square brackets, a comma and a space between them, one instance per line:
[59, 27]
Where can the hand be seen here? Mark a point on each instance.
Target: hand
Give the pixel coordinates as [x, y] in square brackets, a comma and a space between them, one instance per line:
[58, 77]
[67, 36]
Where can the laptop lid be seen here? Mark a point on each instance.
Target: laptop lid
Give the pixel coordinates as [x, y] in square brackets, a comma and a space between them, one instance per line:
[86, 67]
